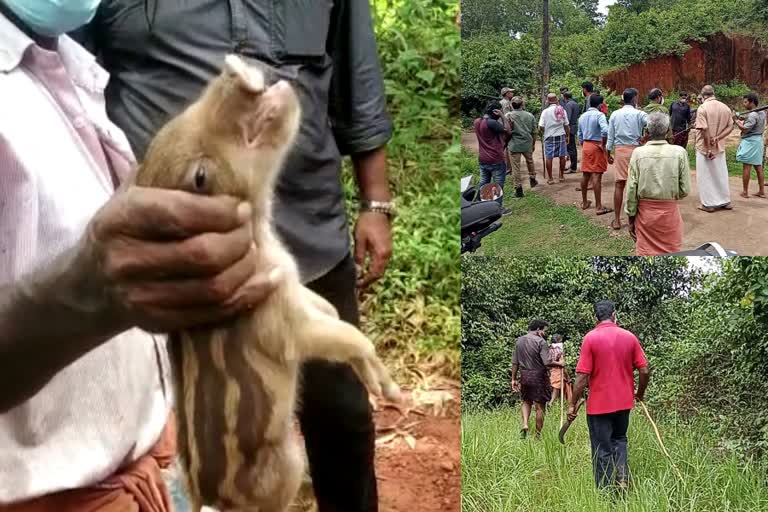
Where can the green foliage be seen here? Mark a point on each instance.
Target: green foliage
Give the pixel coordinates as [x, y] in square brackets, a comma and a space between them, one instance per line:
[704, 331]
[501, 473]
[632, 33]
[414, 311]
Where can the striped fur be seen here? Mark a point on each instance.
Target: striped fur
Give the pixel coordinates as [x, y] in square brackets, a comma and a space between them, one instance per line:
[236, 383]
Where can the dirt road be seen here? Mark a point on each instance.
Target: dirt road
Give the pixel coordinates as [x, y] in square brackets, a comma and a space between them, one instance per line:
[742, 229]
[418, 453]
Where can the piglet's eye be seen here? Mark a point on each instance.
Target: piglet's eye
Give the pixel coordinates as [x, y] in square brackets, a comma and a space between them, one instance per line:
[201, 177]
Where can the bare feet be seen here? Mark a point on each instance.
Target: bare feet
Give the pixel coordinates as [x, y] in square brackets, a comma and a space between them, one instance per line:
[744, 195]
[760, 194]
[616, 224]
[587, 205]
[602, 210]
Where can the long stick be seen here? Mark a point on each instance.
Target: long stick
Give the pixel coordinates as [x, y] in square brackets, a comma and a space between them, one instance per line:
[661, 443]
[562, 392]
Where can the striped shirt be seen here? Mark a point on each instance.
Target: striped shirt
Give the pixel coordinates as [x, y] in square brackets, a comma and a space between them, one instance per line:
[59, 161]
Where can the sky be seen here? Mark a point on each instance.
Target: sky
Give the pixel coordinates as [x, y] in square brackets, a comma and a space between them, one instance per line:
[603, 4]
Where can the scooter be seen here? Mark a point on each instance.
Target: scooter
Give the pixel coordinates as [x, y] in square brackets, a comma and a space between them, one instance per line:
[480, 213]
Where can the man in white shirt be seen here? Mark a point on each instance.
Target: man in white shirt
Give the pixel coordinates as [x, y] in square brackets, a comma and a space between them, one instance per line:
[85, 418]
[553, 125]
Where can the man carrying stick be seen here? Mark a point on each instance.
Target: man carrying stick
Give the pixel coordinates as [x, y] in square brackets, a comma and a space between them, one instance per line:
[531, 357]
[609, 356]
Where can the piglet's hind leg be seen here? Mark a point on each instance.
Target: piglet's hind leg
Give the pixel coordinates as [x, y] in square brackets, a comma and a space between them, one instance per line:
[332, 339]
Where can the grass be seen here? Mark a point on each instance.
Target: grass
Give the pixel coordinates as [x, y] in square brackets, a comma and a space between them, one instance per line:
[538, 226]
[501, 473]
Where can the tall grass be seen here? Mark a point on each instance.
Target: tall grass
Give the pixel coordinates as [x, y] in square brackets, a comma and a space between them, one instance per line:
[502, 473]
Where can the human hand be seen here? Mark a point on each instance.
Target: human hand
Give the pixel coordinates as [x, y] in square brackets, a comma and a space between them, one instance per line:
[373, 238]
[710, 155]
[639, 398]
[497, 112]
[571, 415]
[165, 260]
[632, 232]
[610, 158]
[515, 386]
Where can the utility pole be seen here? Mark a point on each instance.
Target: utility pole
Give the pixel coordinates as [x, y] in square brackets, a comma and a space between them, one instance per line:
[545, 54]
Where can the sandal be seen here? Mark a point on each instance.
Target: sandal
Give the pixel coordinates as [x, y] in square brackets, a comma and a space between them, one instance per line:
[604, 210]
[744, 195]
[707, 209]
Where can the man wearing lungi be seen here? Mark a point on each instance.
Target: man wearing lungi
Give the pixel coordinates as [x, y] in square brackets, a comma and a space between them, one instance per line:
[553, 124]
[750, 152]
[609, 356]
[713, 125]
[681, 119]
[659, 175]
[593, 134]
[531, 357]
[625, 129]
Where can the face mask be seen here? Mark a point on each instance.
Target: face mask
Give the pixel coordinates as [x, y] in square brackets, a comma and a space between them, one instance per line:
[52, 18]
[662, 100]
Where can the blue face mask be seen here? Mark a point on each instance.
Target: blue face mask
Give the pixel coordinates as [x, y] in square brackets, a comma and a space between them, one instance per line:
[53, 18]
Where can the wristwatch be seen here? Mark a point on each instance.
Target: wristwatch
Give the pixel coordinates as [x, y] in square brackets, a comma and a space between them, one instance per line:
[385, 207]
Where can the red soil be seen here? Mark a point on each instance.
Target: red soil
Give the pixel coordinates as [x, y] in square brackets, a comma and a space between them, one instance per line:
[719, 59]
[426, 478]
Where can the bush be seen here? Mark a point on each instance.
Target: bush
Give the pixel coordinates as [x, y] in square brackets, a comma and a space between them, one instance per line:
[414, 311]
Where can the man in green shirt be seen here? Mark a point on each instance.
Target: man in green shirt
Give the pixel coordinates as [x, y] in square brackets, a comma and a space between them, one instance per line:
[656, 103]
[659, 175]
[521, 143]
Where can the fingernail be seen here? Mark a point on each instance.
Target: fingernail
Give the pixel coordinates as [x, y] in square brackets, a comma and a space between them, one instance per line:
[244, 211]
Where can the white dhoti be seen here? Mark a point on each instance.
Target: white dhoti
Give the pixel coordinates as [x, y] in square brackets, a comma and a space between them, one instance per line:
[712, 180]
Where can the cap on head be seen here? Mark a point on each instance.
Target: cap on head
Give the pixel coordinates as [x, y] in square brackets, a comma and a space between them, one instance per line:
[505, 90]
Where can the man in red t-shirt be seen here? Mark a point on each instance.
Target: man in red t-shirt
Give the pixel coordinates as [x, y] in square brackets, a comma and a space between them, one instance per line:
[608, 359]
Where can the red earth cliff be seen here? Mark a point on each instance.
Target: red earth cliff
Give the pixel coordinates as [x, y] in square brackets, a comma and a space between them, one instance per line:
[717, 60]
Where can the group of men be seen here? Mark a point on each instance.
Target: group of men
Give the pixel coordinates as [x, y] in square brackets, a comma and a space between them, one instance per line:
[647, 148]
[609, 356]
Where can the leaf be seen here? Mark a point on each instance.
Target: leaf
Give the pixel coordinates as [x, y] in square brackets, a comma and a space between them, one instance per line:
[410, 440]
[426, 75]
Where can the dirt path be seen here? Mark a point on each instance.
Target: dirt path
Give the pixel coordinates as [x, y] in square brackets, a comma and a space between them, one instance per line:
[742, 229]
[418, 453]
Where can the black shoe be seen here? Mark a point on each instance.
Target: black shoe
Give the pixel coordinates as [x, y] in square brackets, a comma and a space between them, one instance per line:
[533, 182]
[519, 192]
[505, 211]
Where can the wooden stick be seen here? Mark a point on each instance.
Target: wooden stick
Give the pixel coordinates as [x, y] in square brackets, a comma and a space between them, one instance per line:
[562, 393]
[661, 443]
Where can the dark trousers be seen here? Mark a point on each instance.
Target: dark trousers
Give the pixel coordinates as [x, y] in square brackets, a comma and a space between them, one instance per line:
[608, 437]
[572, 154]
[335, 416]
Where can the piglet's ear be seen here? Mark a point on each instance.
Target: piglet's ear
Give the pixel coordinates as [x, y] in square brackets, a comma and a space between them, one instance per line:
[249, 77]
